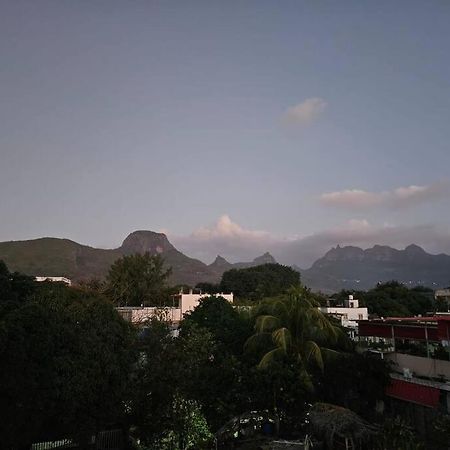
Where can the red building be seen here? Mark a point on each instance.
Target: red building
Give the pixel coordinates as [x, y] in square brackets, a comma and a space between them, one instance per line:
[419, 350]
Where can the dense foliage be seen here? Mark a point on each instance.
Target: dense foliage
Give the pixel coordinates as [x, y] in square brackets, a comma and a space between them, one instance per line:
[293, 328]
[163, 413]
[394, 299]
[138, 279]
[257, 282]
[72, 367]
[65, 361]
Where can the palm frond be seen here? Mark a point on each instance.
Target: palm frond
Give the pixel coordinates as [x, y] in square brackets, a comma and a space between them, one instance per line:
[282, 339]
[312, 351]
[256, 341]
[281, 309]
[266, 323]
[270, 357]
[330, 354]
[306, 380]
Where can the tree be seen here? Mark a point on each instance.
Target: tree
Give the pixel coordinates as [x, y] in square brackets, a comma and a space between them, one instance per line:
[266, 280]
[441, 435]
[164, 410]
[189, 428]
[138, 279]
[92, 285]
[293, 327]
[65, 360]
[228, 326]
[154, 382]
[393, 299]
[356, 381]
[226, 393]
[396, 434]
[208, 288]
[15, 286]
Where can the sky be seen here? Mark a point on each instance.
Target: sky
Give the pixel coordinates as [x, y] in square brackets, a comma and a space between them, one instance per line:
[234, 127]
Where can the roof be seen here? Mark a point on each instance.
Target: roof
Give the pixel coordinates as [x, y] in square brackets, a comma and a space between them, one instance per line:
[432, 328]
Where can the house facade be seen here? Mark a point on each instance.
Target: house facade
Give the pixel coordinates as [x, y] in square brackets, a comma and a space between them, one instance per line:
[419, 350]
[182, 304]
[349, 313]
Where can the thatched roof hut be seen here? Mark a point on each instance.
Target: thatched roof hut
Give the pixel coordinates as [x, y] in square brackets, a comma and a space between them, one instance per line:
[339, 426]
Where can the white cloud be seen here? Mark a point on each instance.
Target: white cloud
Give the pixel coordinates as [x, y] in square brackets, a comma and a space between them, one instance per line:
[352, 198]
[225, 238]
[226, 228]
[237, 243]
[358, 224]
[305, 112]
[399, 197]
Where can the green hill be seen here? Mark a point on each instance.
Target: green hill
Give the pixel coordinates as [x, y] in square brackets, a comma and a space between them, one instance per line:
[63, 257]
[57, 257]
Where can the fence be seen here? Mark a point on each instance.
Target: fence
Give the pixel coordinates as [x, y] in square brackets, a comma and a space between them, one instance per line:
[104, 440]
[61, 444]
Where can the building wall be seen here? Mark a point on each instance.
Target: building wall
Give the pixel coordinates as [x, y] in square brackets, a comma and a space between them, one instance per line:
[424, 367]
[187, 302]
[445, 293]
[349, 316]
[55, 280]
[139, 315]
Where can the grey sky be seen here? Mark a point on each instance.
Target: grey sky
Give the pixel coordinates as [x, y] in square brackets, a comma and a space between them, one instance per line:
[119, 115]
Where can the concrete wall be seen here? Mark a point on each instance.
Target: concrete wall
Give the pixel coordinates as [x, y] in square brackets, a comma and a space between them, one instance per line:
[142, 314]
[424, 367]
[188, 302]
[349, 316]
[55, 280]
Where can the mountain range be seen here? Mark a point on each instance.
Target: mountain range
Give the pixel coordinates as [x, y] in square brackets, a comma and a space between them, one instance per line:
[354, 268]
[340, 268]
[63, 257]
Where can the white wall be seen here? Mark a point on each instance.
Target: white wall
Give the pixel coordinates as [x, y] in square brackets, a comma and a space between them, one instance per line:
[54, 279]
[187, 302]
[139, 315]
[420, 366]
[348, 316]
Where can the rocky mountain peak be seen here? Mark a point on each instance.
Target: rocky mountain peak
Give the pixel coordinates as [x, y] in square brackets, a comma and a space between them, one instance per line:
[220, 263]
[267, 258]
[344, 254]
[381, 253]
[414, 250]
[146, 241]
[220, 259]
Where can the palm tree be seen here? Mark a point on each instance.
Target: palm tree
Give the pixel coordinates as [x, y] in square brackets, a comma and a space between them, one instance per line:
[294, 327]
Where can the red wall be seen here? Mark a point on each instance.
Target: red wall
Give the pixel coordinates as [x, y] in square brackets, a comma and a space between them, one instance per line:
[415, 393]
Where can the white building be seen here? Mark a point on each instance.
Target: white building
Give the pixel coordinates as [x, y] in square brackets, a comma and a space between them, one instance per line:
[182, 304]
[349, 313]
[187, 302]
[55, 280]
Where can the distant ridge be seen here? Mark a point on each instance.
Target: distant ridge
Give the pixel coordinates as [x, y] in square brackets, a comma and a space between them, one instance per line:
[63, 257]
[354, 268]
[221, 265]
[346, 267]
